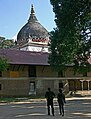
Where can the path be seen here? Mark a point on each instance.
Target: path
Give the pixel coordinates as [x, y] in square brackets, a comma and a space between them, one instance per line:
[75, 108]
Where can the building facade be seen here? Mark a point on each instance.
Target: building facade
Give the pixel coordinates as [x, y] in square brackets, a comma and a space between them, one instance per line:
[30, 74]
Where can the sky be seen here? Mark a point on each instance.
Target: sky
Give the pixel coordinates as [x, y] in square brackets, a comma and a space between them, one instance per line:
[14, 14]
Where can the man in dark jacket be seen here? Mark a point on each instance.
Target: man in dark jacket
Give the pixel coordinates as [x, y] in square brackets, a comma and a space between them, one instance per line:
[61, 101]
[50, 96]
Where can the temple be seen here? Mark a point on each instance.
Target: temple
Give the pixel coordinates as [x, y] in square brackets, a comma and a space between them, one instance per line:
[29, 72]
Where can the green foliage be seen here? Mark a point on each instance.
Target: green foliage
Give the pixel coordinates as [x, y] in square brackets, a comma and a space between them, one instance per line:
[3, 64]
[71, 39]
[6, 43]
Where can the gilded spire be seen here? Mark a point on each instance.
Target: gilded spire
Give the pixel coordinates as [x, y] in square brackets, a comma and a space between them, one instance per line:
[32, 10]
[32, 17]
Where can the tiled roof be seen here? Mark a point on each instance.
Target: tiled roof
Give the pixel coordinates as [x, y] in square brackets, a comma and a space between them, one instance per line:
[25, 57]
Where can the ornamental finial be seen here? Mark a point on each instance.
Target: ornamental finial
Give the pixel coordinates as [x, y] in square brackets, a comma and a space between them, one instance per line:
[32, 10]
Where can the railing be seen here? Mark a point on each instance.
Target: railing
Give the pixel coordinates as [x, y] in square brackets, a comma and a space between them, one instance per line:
[45, 78]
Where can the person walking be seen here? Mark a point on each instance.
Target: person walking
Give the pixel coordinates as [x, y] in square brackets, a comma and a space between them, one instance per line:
[61, 100]
[49, 95]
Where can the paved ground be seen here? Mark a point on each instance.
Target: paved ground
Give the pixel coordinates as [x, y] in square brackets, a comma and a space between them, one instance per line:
[75, 108]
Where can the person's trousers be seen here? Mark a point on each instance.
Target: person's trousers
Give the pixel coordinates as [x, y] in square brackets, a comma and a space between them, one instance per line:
[52, 109]
[61, 109]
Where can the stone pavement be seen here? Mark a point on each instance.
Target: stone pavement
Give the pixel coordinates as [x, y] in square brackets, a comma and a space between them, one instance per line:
[75, 108]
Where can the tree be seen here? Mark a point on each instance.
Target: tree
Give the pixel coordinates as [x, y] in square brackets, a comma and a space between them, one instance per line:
[6, 43]
[71, 39]
[1, 41]
[3, 64]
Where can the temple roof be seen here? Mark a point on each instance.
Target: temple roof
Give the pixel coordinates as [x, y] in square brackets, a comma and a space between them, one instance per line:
[32, 29]
[24, 57]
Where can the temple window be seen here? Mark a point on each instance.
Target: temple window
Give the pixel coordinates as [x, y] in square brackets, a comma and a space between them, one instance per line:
[32, 71]
[32, 86]
[85, 74]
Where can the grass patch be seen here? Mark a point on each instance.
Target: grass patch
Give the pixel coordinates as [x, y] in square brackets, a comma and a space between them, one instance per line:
[6, 100]
[18, 99]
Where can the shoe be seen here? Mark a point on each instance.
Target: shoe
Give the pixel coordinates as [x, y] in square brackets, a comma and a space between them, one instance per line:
[53, 115]
[62, 115]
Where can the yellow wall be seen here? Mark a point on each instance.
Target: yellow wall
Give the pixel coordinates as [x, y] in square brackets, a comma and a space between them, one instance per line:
[14, 74]
[89, 74]
[70, 73]
[41, 71]
[45, 71]
[14, 87]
